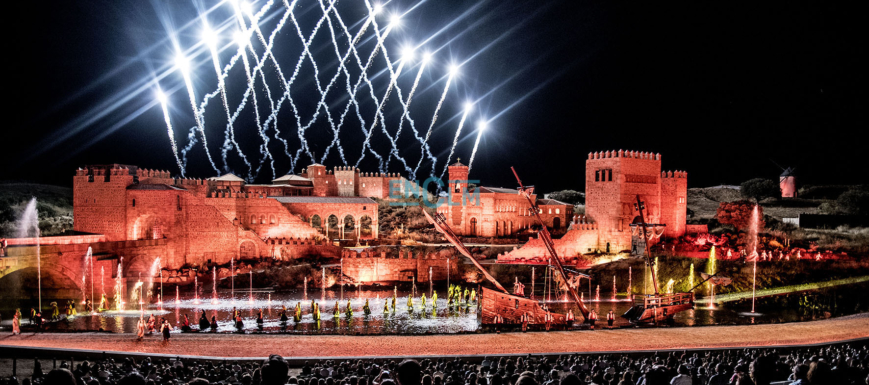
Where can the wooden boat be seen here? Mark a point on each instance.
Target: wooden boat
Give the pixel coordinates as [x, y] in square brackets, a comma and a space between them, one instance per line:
[657, 308]
[511, 308]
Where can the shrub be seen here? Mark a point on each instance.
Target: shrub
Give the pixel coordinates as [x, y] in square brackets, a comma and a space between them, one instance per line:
[759, 188]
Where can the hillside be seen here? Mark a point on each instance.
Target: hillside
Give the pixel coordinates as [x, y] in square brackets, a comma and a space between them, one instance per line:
[704, 201]
[54, 204]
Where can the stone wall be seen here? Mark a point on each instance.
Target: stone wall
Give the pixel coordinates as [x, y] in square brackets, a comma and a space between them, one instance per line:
[375, 266]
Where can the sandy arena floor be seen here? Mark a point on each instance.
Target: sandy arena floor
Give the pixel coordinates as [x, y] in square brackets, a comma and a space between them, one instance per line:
[261, 345]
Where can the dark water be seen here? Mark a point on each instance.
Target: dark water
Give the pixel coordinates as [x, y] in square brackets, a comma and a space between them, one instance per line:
[842, 300]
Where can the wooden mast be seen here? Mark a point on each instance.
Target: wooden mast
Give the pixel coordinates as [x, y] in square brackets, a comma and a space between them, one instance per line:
[547, 240]
[440, 223]
[643, 224]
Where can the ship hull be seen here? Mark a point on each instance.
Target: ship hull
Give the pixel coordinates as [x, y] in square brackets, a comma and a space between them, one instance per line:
[511, 308]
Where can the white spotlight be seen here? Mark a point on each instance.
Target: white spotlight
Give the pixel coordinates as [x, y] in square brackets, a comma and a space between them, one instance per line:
[182, 63]
[426, 57]
[407, 53]
[395, 20]
[161, 96]
[209, 37]
[481, 125]
[468, 107]
[240, 38]
[246, 7]
[454, 70]
[377, 9]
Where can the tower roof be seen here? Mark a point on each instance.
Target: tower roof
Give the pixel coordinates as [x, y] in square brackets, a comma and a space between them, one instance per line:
[227, 178]
[788, 172]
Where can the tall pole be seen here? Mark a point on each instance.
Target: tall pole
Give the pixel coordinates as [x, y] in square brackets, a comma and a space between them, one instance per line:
[640, 206]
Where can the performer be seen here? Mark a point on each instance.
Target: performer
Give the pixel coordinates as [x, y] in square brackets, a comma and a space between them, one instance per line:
[366, 309]
[525, 318]
[239, 324]
[259, 317]
[203, 322]
[393, 303]
[104, 303]
[89, 306]
[592, 318]
[213, 323]
[569, 318]
[317, 313]
[474, 295]
[386, 307]
[16, 323]
[434, 299]
[423, 300]
[284, 317]
[349, 311]
[152, 324]
[610, 318]
[140, 329]
[185, 324]
[55, 312]
[337, 312]
[548, 318]
[165, 328]
[409, 303]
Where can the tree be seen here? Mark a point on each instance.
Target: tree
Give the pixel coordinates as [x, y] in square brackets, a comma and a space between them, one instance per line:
[759, 188]
[738, 214]
[568, 196]
[854, 202]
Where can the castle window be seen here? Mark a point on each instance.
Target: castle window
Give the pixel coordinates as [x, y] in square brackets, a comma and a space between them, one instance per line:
[681, 199]
[253, 219]
[550, 211]
[609, 175]
[363, 208]
[262, 219]
[134, 203]
[272, 219]
[558, 211]
[597, 175]
[178, 201]
[363, 185]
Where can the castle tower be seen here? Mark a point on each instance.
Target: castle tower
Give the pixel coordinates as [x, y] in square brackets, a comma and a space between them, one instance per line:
[347, 179]
[317, 173]
[458, 184]
[613, 179]
[99, 200]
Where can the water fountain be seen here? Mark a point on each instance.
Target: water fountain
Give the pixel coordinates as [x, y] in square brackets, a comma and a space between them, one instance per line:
[753, 239]
[30, 221]
[251, 287]
[160, 300]
[430, 289]
[597, 294]
[196, 288]
[119, 286]
[214, 300]
[323, 284]
[306, 287]
[177, 296]
[691, 276]
[630, 283]
[669, 289]
[232, 278]
[710, 269]
[155, 269]
[615, 289]
[88, 258]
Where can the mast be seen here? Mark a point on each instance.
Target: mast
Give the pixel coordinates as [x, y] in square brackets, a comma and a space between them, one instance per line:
[640, 206]
[547, 240]
[440, 224]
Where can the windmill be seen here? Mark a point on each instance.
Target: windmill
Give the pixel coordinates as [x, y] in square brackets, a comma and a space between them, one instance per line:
[787, 181]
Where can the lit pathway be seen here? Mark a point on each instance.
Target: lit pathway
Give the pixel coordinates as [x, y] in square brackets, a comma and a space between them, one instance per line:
[261, 345]
[787, 289]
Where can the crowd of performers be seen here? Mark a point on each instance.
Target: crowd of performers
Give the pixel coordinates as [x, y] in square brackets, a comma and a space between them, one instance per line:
[457, 298]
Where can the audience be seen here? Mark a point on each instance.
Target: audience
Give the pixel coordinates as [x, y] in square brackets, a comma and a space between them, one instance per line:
[827, 365]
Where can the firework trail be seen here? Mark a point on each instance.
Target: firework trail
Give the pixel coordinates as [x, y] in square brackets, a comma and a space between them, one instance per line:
[183, 65]
[162, 97]
[425, 147]
[378, 117]
[191, 141]
[243, 41]
[229, 135]
[307, 51]
[406, 114]
[480, 128]
[251, 79]
[456, 140]
[268, 53]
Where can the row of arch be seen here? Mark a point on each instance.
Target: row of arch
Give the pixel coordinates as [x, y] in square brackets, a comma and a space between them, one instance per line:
[261, 219]
[346, 225]
[503, 228]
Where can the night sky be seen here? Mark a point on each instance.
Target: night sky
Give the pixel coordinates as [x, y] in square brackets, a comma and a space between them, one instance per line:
[721, 90]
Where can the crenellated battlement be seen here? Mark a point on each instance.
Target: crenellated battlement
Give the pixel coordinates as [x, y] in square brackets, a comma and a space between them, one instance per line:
[674, 174]
[624, 154]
